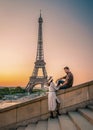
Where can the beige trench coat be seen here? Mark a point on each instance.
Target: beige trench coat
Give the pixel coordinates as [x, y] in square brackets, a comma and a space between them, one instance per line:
[52, 97]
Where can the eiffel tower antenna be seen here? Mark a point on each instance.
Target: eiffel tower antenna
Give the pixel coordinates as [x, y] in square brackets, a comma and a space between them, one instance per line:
[40, 12]
[39, 63]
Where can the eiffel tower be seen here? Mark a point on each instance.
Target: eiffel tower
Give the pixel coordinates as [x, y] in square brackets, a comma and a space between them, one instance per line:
[40, 63]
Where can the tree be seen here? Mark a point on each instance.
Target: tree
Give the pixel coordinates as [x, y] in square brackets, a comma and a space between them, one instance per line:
[19, 90]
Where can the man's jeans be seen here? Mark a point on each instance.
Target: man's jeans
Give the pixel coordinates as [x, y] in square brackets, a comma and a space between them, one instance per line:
[61, 82]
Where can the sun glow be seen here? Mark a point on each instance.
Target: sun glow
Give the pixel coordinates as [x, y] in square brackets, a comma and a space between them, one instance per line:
[67, 39]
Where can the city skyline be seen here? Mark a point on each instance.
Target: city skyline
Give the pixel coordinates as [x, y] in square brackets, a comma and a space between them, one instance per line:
[67, 39]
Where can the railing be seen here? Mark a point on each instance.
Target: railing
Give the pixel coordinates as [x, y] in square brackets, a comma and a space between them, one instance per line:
[37, 108]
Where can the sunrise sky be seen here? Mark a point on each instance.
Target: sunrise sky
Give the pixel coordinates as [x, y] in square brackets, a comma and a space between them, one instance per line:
[67, 38]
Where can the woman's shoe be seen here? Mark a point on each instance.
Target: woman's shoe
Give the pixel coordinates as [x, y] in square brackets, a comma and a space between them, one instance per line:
[58, 113]
[51, 116]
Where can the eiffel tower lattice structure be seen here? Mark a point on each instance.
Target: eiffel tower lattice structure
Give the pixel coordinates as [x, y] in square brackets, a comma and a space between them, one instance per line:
[35, 79]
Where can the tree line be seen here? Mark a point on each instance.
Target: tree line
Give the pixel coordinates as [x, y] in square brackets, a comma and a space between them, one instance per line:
[9, 91]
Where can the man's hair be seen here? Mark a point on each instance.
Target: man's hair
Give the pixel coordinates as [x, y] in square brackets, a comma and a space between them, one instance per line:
[66, 67]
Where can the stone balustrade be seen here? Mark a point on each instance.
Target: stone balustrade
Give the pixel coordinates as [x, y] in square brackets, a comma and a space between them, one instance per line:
[37, 109]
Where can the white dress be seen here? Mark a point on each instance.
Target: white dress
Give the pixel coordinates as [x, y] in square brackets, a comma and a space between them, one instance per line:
[52, 97]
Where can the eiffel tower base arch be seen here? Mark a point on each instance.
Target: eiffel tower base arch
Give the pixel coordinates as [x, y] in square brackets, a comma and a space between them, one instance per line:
[35, 81]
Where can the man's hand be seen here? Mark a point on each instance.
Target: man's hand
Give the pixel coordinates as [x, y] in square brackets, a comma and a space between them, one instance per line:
[65, 83]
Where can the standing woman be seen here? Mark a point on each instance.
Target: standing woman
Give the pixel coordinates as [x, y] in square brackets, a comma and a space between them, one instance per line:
[53, 101]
